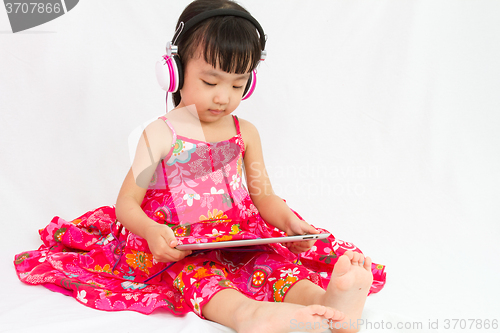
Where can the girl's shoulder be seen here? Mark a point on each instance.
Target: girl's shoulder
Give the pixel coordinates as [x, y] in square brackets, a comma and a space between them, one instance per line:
[247, 128]
[160, 136]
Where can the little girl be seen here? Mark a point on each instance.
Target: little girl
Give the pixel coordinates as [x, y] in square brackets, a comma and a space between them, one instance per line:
[186, 186]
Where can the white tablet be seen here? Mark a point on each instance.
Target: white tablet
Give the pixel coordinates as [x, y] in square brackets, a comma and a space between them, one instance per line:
[250, 242]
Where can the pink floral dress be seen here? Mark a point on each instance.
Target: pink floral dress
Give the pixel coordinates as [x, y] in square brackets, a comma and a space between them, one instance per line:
[197, 190]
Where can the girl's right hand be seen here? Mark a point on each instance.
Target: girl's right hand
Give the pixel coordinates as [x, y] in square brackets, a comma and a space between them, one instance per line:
[162, 242]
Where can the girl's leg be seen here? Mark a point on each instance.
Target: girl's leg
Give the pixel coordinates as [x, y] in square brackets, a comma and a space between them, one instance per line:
[347, 291]
[233, 309]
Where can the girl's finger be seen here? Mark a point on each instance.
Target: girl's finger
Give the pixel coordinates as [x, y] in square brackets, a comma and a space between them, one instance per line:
[312, 230]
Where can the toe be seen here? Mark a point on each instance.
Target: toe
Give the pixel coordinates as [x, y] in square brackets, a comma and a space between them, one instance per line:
[328, 312]
[337, 315]
[368, 264]
[317, 309]
[342, 266]
[356, 257]
[349, 254]
[361, 260]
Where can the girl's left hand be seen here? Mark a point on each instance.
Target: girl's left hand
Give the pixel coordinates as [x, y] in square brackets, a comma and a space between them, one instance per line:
[299, 227]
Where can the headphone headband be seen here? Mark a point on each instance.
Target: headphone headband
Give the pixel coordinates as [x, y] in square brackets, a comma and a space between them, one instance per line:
[169, 71]
[183, 27]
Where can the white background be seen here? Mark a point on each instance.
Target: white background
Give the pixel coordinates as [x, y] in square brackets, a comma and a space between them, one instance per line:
[379, 122]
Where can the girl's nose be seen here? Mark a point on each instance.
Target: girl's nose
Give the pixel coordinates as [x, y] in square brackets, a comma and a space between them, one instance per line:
[221, 97]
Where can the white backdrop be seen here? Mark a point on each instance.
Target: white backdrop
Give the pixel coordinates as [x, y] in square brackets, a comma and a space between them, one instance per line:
[379, 121]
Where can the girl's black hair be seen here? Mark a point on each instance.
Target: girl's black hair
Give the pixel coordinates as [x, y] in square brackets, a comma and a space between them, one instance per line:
[229, 42]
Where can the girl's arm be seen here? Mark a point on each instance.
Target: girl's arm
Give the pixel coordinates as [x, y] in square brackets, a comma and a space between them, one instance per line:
[154, 144]
[271, 207]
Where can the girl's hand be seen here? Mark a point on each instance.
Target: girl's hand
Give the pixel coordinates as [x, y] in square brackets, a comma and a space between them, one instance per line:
[162, 242]
[299, 227]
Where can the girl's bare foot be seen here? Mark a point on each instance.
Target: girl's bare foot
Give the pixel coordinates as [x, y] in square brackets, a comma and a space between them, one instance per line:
[348, 288]
[263, 317]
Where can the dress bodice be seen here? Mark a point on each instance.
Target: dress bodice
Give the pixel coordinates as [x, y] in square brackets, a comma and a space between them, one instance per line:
[198, 181]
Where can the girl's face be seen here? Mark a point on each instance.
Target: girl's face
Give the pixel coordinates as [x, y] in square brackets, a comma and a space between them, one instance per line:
[215, 93]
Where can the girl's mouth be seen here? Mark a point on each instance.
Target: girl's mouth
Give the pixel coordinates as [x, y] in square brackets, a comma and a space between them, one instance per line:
[216, 112]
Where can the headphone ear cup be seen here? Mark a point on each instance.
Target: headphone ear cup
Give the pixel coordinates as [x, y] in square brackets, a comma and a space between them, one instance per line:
[179, 73]
[250, 87]
[169, 73]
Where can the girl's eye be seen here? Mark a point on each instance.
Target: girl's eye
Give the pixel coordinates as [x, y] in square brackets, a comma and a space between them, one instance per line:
[237, 87]
[208, 84]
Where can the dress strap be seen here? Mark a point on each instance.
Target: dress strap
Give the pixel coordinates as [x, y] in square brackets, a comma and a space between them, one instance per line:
[174, 135]
[240, 137]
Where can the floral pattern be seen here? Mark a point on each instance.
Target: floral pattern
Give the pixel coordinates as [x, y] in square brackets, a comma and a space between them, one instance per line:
[196, 190]
[182, 151]
[140, 260]
[182, 230]
[196, 304]
[21, 257]
[215, 215]
[258, 278]
[281, 286]
[81, 296]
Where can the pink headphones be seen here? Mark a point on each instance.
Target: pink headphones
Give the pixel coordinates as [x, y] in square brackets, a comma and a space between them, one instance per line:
[169, 71]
